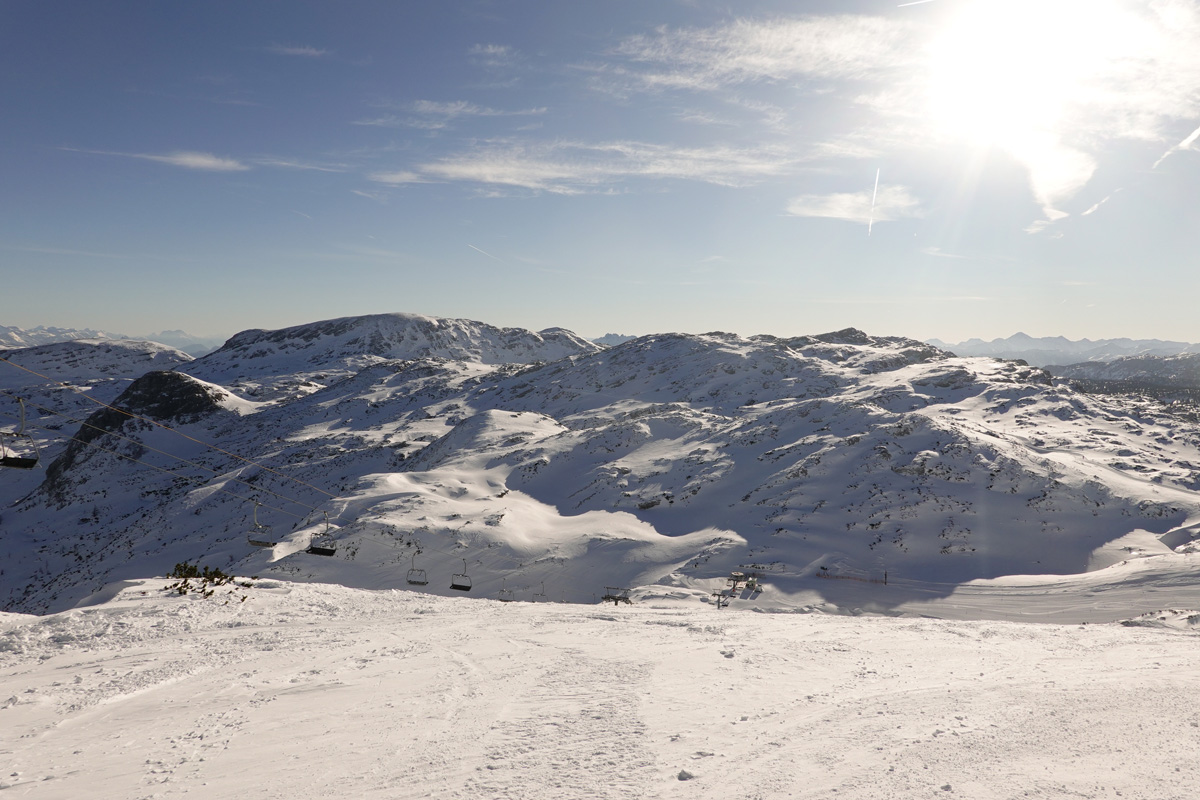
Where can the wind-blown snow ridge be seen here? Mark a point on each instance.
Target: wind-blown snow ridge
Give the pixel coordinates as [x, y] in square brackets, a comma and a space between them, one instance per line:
[665, 463]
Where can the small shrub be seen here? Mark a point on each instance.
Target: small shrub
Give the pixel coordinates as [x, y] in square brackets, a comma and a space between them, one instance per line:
[206, 580]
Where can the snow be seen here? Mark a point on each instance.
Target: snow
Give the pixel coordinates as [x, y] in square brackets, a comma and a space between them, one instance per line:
[660, 465]
[973, 582]
[322, 691]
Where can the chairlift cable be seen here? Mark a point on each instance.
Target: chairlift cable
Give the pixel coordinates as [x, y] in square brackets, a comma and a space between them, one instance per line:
[184, 477]
[162, 452]
[560, 568]
[192, 478]
[10, 456]
[165, 427]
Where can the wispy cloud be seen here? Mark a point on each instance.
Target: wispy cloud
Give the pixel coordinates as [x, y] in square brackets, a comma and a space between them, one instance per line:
[1134, 77]
[385, 121]
[747, 51]
[890, 203]
[577, 167]
[195, 160]
[304, 51]
[396, 178]
[283, 163]
[434, 115]
[189, 159]
[493, 55]
[378, 197]
[938, 252]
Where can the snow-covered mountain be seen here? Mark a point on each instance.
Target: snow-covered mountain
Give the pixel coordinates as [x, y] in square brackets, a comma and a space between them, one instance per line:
[84, 361]
[291, 361]
[1181, 371]
[1047, 350]
[13, 337]
[613, 339]
[663, 463]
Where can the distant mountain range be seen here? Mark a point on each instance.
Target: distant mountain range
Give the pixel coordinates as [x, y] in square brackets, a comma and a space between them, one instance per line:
[540, 459]
[1050, 350]
[14, 337]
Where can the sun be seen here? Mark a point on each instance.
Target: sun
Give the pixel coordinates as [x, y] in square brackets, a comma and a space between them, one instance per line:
[1010, 72]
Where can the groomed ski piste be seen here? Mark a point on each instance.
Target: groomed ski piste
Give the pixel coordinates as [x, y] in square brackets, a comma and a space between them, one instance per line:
[1072, 686]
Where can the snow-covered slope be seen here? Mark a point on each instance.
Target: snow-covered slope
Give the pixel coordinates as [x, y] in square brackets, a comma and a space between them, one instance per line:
[1181, 371]
[663, 463]
[282, 690]
[86, 361]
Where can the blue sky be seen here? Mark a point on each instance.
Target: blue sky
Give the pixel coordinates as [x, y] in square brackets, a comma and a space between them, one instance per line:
[951, 168]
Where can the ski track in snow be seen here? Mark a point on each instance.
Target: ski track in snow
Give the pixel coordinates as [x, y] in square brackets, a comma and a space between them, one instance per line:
[321, 691]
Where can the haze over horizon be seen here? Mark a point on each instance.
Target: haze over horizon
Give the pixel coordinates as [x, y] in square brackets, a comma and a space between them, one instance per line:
[949, 169]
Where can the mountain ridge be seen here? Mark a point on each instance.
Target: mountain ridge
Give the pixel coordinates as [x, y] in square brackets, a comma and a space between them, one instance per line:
[666, 462]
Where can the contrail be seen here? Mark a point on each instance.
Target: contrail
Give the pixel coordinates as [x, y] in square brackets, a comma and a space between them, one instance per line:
[874, 194]
[1184, 145]
[914, 3]
[486, 253]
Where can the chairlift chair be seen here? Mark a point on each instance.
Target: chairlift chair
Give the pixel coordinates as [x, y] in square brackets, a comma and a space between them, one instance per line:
[616, 594]
[540, 595]
[461, 581]
[417, 576]
[505, 595]
[18, 450]
[260, 535]
[322, 545]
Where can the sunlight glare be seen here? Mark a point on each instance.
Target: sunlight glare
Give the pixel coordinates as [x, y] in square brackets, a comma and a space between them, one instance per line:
[1006, 71]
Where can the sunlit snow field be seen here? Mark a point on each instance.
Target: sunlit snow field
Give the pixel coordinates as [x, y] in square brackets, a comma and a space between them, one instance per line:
[315, 690]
